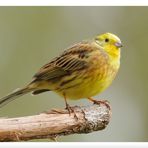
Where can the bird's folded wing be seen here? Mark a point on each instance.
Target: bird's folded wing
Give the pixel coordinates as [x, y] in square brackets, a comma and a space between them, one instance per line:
[70, 61]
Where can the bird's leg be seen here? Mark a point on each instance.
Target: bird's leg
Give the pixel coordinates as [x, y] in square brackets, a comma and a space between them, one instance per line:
[69, 108]
[100, 102]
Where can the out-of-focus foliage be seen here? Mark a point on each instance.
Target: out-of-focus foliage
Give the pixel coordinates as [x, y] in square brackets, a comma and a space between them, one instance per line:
[31, 36]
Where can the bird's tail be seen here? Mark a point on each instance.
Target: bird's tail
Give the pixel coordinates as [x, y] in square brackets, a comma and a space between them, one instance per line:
[17, 93]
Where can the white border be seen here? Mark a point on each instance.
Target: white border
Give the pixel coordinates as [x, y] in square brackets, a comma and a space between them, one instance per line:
[74, 2]
[73, 145]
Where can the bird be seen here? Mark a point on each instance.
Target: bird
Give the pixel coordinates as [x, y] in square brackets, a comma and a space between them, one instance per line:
[82, 70]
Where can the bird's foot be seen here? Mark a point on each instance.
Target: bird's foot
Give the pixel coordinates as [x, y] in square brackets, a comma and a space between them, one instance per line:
[71, 110]
[104, 102]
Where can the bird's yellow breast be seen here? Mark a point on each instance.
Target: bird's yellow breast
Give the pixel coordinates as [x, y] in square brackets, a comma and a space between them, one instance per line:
[92, 81]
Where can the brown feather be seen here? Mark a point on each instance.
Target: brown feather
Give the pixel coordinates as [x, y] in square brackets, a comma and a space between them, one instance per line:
[72, 59]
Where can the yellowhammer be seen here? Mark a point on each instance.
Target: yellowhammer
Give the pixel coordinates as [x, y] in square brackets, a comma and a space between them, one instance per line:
[81, 71]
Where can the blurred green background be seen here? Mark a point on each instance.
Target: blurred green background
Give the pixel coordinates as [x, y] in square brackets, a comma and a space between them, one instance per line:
[31, 36]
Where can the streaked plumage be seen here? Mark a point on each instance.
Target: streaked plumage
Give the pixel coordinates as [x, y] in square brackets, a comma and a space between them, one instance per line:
[81, 71]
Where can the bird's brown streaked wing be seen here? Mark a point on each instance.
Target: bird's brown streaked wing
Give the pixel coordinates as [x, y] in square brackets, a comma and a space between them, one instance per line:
[71, 60]
[48, 74]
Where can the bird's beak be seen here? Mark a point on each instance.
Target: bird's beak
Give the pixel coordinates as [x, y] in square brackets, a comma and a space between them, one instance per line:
[118, 44]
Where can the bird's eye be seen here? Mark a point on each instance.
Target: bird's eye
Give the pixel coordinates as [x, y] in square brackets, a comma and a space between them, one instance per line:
[106, 40]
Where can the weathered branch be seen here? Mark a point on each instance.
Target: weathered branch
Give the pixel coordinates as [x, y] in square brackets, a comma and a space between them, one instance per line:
[55, 123]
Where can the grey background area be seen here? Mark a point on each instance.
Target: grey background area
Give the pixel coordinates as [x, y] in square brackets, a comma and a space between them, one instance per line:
[32, 36]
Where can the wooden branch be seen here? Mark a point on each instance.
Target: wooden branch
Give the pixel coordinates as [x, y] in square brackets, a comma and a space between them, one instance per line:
[55, 123]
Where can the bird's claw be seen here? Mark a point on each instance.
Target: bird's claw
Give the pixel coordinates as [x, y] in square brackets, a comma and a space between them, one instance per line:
[104, 102]
[71, 110]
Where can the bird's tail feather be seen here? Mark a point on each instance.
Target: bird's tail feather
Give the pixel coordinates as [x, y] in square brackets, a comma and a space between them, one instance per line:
[17, 93]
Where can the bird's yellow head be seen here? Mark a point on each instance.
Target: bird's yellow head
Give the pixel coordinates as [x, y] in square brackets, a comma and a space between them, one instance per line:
[110, 43]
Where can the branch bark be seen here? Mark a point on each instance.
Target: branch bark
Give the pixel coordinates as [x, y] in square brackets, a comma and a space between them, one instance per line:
[55, 123]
